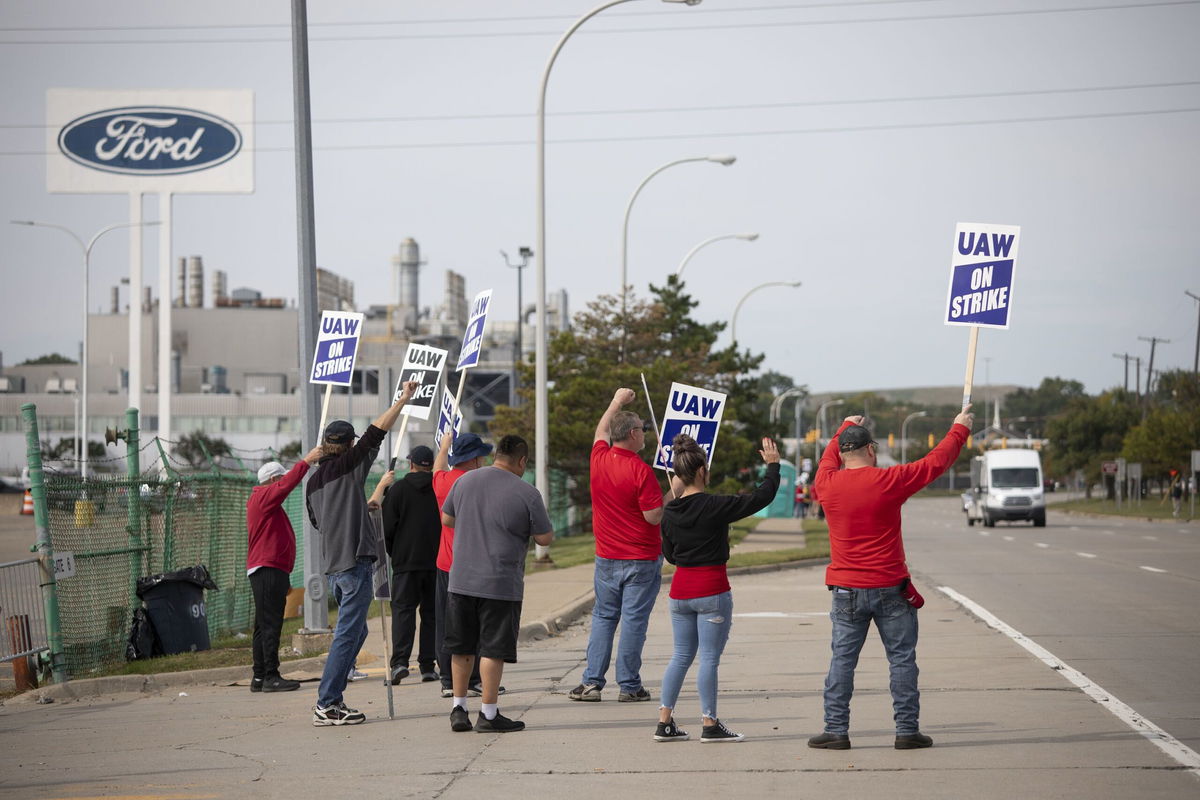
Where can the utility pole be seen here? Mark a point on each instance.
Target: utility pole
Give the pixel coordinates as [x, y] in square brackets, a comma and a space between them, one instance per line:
[1126, 357]
[1196, 357]
[526, 254]
[1153, 340]
[1137, 367]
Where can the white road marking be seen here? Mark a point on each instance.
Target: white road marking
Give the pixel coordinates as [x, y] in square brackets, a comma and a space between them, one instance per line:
[1074, 527]
[1109, 533]
[1042, 544]
[1153, 569]
[1086, 555]
[1150, 538]
[1157, 736]
[984, 533]
[1008, 538]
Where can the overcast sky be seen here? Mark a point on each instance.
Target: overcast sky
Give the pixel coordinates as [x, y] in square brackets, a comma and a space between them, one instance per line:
[863, 132]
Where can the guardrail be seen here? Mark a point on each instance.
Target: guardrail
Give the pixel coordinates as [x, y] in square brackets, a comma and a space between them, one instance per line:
[22, 609]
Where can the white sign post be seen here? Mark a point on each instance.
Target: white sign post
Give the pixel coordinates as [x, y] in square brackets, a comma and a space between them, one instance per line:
[981, 283]
[694, 411]
[333, 360]
[422, 364]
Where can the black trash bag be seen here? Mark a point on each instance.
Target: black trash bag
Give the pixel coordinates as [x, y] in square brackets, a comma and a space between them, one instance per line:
[143, 640]
[197, 575]
[175, 604]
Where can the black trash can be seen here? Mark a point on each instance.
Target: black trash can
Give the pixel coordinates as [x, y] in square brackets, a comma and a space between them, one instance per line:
[175, 603]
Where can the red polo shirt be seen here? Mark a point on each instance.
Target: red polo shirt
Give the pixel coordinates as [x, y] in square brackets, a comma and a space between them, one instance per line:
[443, 481]
[623, 486]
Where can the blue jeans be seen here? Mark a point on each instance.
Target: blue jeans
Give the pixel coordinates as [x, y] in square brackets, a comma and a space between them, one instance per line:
[896, 621]
[353, 592]
[701, 623]
[625, 593]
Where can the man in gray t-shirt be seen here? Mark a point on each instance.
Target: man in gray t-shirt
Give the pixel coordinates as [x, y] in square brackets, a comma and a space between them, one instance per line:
[494, 514]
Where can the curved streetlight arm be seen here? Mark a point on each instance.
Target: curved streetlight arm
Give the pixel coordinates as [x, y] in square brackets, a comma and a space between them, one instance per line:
[733, 325]
[749, 237]
[777, 403]
[904, 434]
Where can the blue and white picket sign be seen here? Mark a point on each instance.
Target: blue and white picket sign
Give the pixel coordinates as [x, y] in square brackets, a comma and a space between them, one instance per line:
[337, 345]
[422, 364]
[694, 411]
[981, 274]
[444, 416]
[472, 341]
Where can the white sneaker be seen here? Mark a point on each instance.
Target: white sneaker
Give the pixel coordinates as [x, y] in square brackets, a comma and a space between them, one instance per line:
[355, 675]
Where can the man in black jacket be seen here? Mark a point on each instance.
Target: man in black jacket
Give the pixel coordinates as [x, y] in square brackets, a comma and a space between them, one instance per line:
[412, 527]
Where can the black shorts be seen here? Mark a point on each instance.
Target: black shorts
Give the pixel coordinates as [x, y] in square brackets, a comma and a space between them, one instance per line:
[483, 625]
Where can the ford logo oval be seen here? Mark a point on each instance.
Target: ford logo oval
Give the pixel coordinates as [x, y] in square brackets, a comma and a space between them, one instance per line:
[153, 140]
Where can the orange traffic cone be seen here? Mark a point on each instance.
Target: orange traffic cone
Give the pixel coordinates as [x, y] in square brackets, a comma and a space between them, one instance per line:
[27, 506]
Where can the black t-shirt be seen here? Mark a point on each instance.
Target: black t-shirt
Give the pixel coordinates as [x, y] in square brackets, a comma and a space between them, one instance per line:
[695, 529]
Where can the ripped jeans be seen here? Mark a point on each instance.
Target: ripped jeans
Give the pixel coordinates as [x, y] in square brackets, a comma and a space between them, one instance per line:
[700, 624]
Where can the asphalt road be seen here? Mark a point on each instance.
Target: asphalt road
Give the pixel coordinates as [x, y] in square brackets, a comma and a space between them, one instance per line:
[1114, 598]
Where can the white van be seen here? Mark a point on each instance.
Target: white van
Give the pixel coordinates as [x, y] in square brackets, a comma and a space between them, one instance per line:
[1006, 485]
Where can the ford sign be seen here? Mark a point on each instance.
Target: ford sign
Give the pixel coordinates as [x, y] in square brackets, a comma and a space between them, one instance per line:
[150, 140]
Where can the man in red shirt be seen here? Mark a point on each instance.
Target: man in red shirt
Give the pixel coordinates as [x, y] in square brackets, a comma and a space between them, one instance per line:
[269, 560]
[627, 505]
[867, 573]
[469, 452]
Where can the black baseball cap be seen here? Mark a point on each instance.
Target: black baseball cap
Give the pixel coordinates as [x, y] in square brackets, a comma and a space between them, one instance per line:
[339, 432]
[854, 438]
[422, 456]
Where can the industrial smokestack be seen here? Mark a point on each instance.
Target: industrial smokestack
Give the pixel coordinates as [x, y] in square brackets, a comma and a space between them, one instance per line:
[115, 307]
[195, 270]
[408, 265]
[219, 291]
[181, 283]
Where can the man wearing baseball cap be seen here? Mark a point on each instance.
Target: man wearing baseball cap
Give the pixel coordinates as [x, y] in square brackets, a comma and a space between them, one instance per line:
[867, 573]
[337, 507]
[412, 527]
[469, 452]
[270, 557]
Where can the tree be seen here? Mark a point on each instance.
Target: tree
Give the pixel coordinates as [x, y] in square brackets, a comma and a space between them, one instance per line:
[65, 447]
[1090, 430]
[604, 351]
[1165, 438]
[52, 358]
[1033, 408]
[191, 449]
[290, 451]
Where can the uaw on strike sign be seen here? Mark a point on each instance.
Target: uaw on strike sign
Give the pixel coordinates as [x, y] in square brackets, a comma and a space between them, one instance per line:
[422, 364]
[473, 336]
[981, 274]
[337, 344]
[695, 412]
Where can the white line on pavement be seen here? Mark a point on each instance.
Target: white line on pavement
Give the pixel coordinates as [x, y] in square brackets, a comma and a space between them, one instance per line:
[1160, 738]
[984, 533]
[1150, 538]
[1042, 544]
[1074, 527]
[1153, 569]
[1008, 538]
[1086, 555]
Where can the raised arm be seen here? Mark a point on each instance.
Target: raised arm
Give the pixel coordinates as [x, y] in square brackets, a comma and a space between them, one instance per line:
[388, 418]
[622, 397]
[914, 476]
[441, 461]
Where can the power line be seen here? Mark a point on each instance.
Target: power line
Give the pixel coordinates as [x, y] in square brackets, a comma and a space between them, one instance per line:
[605, 31]
[714, 135]
[710, 108]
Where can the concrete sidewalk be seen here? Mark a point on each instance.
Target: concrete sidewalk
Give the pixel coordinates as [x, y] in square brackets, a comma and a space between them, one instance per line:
[554, 599]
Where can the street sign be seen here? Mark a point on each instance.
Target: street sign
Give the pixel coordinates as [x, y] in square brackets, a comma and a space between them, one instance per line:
[981, 274]
[473, 336]
[1108, 467]
[1195, 461]
[337, 344]
[64, 565]
[422, 364]
[694, 411]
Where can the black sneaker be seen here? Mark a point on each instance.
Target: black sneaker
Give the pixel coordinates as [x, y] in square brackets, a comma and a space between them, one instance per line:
[476, 690]
[429, 675]
[460, 720]
[641, 695]
[717, 732]
[913, 741]
[339, 714]
[830, 741]
[399, 674]
[275, 683]
[256, 684]
[670, 732]
[498, 724]
[587, 692]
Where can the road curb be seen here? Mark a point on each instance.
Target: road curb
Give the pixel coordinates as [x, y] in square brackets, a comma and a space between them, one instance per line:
[1155, 520]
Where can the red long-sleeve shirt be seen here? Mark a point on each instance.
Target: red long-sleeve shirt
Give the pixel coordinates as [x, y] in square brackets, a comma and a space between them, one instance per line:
[272, 540]
[862, 507]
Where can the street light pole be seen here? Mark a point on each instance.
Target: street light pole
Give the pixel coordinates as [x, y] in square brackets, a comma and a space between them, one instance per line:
[749, 237]
[541, 388]
[134, 302]
[525, 254]
[733, 325]
[904, 434]
[821, 421]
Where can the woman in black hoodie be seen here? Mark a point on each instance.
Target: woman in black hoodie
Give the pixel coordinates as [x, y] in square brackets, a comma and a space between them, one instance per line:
[695, 532]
